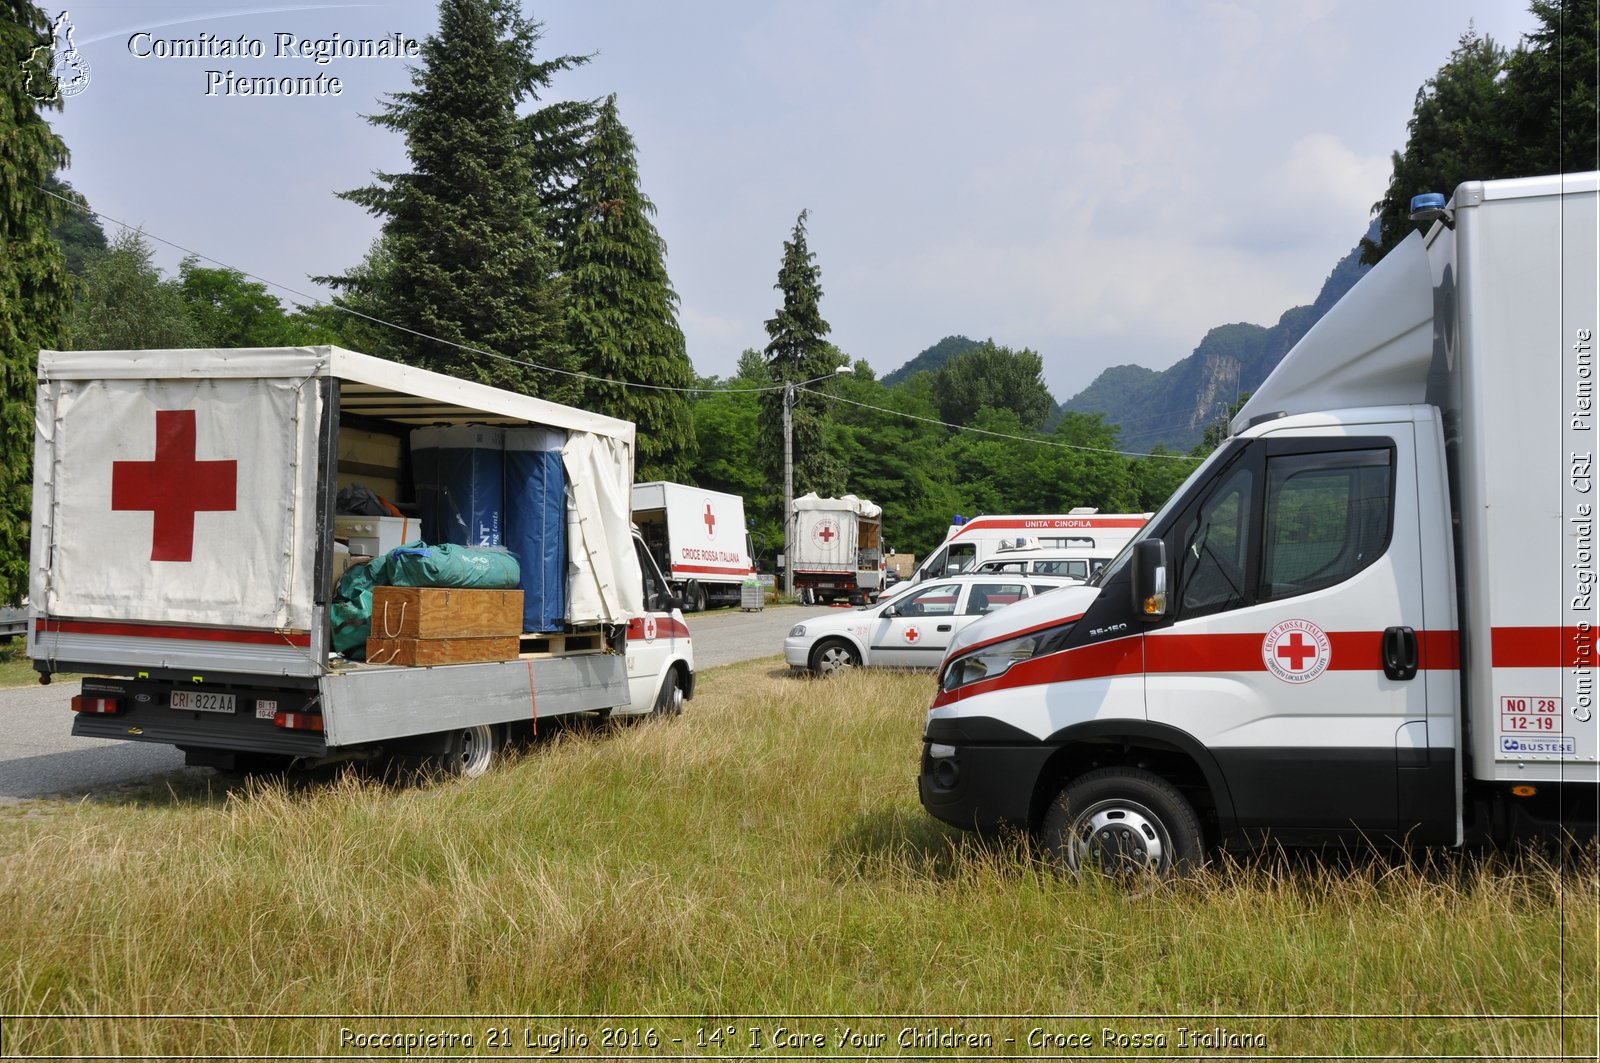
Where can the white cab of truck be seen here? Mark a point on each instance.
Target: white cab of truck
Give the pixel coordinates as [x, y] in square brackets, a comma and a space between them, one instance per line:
[1368, 617]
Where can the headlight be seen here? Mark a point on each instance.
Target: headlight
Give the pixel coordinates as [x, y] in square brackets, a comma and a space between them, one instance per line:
[798, 631]
[997, 659]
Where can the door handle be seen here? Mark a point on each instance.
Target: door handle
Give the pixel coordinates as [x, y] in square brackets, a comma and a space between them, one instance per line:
[1399, 653]
[944, 627]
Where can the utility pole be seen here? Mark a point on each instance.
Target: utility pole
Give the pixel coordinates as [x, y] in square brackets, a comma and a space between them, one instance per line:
[788, 490]
[788, 475]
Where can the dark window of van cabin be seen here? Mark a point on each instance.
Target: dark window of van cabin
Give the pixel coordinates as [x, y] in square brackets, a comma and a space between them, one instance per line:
[1327, 518]
[1216, 548]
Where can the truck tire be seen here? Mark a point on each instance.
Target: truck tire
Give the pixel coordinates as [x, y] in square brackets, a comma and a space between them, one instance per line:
[469, 752]
[697, 595]
[1123, 822]
[669, 701]
[832, 656]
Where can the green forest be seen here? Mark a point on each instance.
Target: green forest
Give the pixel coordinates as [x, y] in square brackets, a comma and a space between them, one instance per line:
[523, 254]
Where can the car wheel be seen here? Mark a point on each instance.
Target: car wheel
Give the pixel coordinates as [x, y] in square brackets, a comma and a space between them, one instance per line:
[1123, 822]
[669, 701]
[833, 656]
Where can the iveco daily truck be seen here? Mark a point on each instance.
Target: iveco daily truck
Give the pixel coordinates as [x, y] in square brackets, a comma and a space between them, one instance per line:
[1370, 616]
[185, 559]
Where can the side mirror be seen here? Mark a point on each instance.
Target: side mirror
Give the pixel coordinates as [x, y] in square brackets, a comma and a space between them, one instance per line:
[1150, 579]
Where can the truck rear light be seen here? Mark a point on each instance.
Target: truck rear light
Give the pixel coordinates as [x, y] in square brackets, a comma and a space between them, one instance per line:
[298, 721]
[96, 703]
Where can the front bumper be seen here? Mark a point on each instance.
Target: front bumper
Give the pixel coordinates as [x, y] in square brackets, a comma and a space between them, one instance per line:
[988, 777]
[798, 652]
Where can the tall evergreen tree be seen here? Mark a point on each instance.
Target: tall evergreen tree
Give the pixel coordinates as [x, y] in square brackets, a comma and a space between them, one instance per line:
[77, 230]
[33, 273]
[622, 313]
[796, 353]
[1488, 114]
[471, 262]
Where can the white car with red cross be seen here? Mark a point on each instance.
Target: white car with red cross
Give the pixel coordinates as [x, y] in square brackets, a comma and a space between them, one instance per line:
[914, 630]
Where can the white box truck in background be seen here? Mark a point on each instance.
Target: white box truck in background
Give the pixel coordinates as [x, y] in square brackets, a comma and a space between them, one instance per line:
[1370, 616]
[183, 556]
[698, 537]
[836, 547]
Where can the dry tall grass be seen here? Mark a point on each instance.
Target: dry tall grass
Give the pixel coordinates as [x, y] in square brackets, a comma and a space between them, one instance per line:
[764, 855]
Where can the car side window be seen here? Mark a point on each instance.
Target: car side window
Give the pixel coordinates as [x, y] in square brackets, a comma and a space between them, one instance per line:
[938, 600]
[987, 597]
[654, 591]
[1328, 516]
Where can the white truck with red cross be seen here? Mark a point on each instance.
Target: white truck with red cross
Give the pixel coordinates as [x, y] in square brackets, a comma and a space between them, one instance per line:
[836, 547]
[699, 539]
[184, 557]
[1368, 618]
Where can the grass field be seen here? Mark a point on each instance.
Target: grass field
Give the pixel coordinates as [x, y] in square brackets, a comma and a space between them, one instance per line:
[741, 881]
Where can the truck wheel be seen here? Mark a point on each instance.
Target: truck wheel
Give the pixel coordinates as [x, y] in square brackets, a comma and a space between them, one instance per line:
[699, 595]
[834, 655]
[469, 751]
[669, 702]
[1123, 822]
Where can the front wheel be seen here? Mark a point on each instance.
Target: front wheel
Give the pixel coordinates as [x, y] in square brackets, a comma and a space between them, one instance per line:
[669, 700]
[834, 656]
[1123, 822]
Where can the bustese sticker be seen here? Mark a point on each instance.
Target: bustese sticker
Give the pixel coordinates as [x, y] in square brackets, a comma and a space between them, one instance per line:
[1296, 651]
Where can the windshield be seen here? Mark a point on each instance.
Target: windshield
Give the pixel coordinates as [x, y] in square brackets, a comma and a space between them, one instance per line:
[1222, 453]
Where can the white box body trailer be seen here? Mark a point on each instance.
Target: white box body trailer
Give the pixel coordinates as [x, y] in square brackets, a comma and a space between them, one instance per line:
[836, 548]
[698, 537]
[183, 549]
[1370, 615]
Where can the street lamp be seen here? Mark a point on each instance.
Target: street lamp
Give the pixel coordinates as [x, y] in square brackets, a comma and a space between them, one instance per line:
[788, 475]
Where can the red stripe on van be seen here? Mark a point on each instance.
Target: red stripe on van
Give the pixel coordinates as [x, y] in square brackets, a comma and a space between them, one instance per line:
[1213, 653]
[1542, 647]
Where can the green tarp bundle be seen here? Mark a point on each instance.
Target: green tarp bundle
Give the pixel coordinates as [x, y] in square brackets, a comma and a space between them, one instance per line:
[413, 565]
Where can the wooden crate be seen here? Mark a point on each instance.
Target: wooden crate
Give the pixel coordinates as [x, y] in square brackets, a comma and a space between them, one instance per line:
[444, 613]
[422, 652]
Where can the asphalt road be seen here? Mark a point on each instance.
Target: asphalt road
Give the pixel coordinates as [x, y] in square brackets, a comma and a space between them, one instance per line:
[39, 756]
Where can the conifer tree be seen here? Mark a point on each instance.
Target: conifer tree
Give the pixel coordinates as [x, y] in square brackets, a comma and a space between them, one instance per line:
[797, 353]
[34, 286]
[622, 313]
[470, 259]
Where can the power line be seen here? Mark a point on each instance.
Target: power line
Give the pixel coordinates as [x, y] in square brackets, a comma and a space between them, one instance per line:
[316, 301]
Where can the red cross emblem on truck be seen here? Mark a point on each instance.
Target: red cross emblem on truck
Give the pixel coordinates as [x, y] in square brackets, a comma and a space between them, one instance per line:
[175, 486]
[1296, 651]
[824, 532]
[711, 522]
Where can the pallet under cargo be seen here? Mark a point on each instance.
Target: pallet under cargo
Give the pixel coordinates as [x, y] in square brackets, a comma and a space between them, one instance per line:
[561, 644]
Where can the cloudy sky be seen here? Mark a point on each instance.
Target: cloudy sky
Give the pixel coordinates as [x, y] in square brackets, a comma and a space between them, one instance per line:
[1098, 182]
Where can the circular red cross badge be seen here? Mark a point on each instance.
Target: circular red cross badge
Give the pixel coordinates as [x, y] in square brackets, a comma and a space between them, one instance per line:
[913, 635]
[826, 532]
[649, 628]
[1296, 651]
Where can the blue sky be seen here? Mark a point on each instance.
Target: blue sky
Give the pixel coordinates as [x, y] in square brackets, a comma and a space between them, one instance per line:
[1100, 183]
